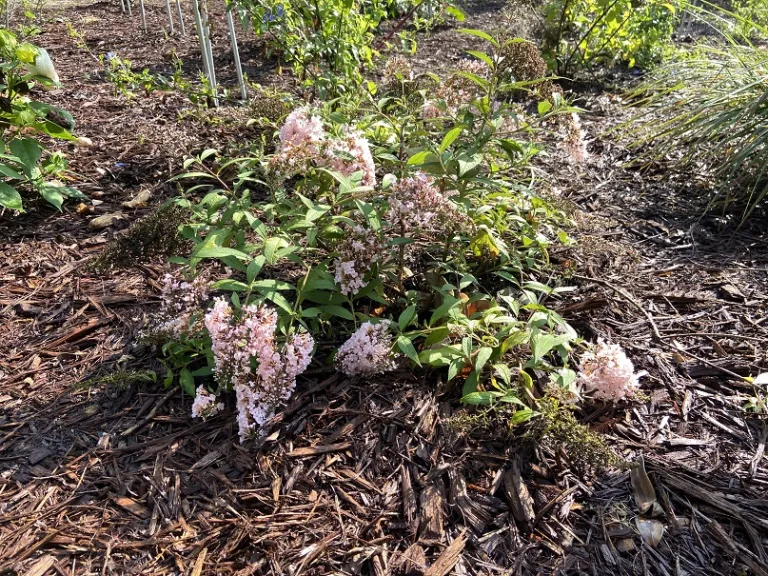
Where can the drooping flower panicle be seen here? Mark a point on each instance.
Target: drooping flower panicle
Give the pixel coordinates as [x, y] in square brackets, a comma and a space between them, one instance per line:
[247, 357]
[368, 351]
[607, 374]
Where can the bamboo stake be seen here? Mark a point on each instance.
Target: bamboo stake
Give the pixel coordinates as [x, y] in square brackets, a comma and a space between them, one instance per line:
[236, 54]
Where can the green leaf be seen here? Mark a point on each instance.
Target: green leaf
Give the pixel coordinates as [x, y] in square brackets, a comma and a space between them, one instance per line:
[230, 285]
[480, 34]
[422, 158]
[481, 56]
[542, 344]
[504, 373]
[339, 311]
[437, 335]
[483, 355]
[456, 365]
[442, 356]
[456, 12]
[450, 138]
[470, 384]
[208, 251]
[442, 310]
[279, 300]
[271, 245]
[406, 347]
[29, 152]
[522, 415]
[544, 107]
[468, 163]
[406, 316]
[9, 172]
[10, 198]
[253, 269]
[481, 398]
[272, 284]
[52, 195]
[187, 382]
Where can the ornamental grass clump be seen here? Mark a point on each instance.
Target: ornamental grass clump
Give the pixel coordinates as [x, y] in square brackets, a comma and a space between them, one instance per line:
[712, 105]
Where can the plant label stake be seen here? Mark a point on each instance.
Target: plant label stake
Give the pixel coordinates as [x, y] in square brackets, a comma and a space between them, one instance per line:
[170, 15]
[236, 54]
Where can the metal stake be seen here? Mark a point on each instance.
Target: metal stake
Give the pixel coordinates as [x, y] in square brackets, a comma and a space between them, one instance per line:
[236, 54]
[181, 18]
[122, 5]
[203, 31]
[170, 15]
[143, 16]
[130, 11]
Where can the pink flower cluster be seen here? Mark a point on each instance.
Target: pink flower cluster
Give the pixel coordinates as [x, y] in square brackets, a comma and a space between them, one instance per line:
[607, 373]
[349, 155]
[359, 250]
[416, 203]
[368, 351]
[204, 406]
[303, 142]
[180, 300]
[239, 344]
[301, 128]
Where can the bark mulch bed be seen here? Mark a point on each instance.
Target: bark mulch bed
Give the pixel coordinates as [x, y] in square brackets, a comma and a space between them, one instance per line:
[103, 472]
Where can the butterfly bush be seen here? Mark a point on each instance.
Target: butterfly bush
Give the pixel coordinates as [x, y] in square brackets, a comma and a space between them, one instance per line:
[301, 128]
[416, 203]
[607, 373]
[368, 350]
[575, 144]
[457, 90]
[301, 137]
[240, 344]
[360, 249]
[396, 68]
[205, 405]
[179, 301]
[304, 143]
[351, 154]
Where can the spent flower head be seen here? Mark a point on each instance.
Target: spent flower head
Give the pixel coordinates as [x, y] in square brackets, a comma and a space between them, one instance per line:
[204, 405]
[358, 252]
